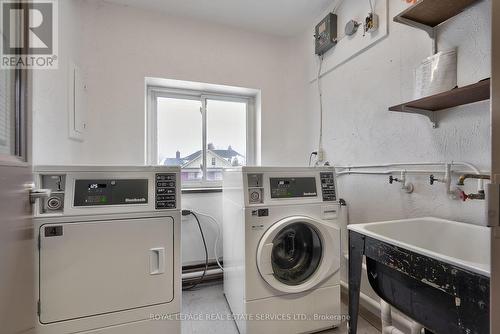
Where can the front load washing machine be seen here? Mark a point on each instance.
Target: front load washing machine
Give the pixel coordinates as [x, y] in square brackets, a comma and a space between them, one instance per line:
[282, 249]
[108, 254]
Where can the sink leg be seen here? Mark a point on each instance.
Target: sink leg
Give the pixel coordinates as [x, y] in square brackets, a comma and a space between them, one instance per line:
[356, 252]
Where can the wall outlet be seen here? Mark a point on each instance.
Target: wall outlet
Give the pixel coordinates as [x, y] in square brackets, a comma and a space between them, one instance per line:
[371, 22]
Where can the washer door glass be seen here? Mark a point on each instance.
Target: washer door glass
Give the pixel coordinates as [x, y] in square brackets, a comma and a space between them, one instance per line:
[296, 253]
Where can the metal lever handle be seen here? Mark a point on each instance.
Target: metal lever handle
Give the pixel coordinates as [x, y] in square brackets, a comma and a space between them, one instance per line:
[39, 193]
[393, 179]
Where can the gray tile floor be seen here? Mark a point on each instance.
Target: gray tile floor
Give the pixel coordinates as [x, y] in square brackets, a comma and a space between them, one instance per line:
[209, 299]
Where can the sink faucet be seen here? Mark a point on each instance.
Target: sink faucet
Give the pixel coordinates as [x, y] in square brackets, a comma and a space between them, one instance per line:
[480, 194]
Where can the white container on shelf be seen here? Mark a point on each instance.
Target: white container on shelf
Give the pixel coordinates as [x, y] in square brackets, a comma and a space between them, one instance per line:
[436, 74]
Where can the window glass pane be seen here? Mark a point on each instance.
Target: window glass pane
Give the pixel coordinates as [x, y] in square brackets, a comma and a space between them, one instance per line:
[180, 136]
[226, 136]
[7, 112]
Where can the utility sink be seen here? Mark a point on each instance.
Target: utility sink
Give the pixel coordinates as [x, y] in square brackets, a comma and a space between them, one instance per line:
[434, 270]
[464, 245]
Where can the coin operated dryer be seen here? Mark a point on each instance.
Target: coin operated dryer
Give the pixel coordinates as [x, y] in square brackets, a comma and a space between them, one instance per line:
[108, 253]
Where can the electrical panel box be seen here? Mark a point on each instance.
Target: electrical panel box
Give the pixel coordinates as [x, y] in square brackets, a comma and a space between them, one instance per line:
[326, 34]
[77, 103]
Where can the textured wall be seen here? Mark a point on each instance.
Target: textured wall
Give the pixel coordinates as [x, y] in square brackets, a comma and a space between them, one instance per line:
[123, 45]
[51, 144]
[358, 128]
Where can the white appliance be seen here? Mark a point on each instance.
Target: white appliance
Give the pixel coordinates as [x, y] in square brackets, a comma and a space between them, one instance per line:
[108, 255]
[282, 249]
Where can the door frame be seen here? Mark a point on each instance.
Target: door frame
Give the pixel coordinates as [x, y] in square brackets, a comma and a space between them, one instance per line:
[17, 181]
[494, 203]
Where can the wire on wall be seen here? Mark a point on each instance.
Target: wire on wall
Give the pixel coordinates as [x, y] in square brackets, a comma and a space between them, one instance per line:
[217, 238]
[337, 6]
[320, 95]
[186, 213]
[320, 152]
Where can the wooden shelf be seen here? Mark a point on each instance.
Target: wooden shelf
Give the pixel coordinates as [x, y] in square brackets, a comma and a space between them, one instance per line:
[456, 97]
[427, 14]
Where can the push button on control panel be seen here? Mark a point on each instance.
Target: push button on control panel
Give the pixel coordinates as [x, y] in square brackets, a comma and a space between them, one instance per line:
[165, 191]
[328, 186]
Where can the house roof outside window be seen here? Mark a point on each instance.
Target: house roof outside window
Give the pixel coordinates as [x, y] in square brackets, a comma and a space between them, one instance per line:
[223, 157]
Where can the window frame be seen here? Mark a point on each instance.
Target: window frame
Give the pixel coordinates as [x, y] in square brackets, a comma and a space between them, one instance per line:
[155, 92]
[21, 122]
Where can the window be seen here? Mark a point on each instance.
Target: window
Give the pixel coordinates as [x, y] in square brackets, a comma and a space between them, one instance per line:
[226, 136]
[188, 128]
[180, 135]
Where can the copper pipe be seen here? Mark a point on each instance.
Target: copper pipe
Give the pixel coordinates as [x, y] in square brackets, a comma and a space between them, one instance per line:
[464, 177]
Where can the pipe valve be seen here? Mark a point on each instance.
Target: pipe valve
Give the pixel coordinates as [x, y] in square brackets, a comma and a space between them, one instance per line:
[406, 186]
[433, 179]
[393, 179]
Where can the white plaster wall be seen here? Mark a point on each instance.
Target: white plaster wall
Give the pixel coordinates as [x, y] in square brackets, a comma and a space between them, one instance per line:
[192, 245]
[124, 45]
[119, 46]
[358, 128]
[51, 144]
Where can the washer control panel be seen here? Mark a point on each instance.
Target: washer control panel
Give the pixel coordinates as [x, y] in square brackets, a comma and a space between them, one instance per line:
[165, 191]
[289, 185]
[328, 186]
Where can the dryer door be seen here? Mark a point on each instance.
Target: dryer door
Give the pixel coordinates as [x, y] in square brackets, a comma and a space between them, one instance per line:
[298, 253]
[99, 267]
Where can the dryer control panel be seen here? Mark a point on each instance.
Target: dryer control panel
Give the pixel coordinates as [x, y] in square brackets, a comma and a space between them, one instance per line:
[165, 191]
[93, 190]
[110, 192]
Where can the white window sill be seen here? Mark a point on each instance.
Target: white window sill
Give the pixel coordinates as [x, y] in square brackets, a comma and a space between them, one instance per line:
[201, 190]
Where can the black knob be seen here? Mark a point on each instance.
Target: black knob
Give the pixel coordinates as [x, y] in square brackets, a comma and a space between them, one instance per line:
[432, 179]
[393, 179]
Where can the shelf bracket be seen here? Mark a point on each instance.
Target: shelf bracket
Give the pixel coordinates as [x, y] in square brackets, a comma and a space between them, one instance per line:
[431, 31]
[431, 115]
[428, 29]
